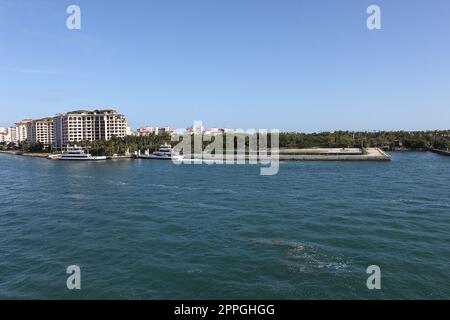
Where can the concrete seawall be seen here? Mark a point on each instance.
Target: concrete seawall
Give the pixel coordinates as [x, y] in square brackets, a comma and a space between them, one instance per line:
[316, 154]
[441, 152]
[319, 154]
[372, 154]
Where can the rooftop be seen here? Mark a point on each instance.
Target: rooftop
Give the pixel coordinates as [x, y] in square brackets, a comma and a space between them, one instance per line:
[96, 111]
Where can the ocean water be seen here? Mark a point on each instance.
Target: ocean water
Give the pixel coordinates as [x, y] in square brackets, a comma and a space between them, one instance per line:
[152, 230]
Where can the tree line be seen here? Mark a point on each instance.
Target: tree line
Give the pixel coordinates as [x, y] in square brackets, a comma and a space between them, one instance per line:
[388, 140]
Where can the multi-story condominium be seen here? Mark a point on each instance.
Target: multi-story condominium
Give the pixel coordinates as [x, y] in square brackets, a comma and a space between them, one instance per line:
[41, 131]
[4, 135]
[13, 134]
[83, 125]
[20, 133]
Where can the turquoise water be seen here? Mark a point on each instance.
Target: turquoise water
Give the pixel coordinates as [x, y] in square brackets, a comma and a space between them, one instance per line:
[152, 230]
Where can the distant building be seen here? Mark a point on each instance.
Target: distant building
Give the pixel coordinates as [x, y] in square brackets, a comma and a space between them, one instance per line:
[214, 131]
[129, 132]
[4, 135]
[19, 132]
[231, 131]
[41, 131]
[197, 128]
[146, 131]
[83, 125]
[164, 130]
[13, 134]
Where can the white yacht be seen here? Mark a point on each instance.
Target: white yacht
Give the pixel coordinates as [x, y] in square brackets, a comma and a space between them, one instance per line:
[78, 154]
[165, 152]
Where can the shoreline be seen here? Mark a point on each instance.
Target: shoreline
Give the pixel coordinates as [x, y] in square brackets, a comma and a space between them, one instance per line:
[47, 155]
[441, 152]
[25, 154]
[315, 154]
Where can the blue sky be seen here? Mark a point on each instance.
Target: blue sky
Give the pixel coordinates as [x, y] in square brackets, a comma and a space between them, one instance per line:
[287, 64]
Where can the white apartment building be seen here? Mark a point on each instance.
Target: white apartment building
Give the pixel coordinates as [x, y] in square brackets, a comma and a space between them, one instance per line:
[41, 131]
[13, 134]
[4, 135]
[19, 132]
[83, 125]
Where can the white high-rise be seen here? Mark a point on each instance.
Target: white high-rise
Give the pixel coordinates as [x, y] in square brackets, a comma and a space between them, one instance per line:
[19, 132]
[41, 131]
[5, 135]
[83, 125]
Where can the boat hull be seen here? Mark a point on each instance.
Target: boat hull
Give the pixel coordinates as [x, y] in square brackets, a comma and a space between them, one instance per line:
[85, 159]
[151, 157]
